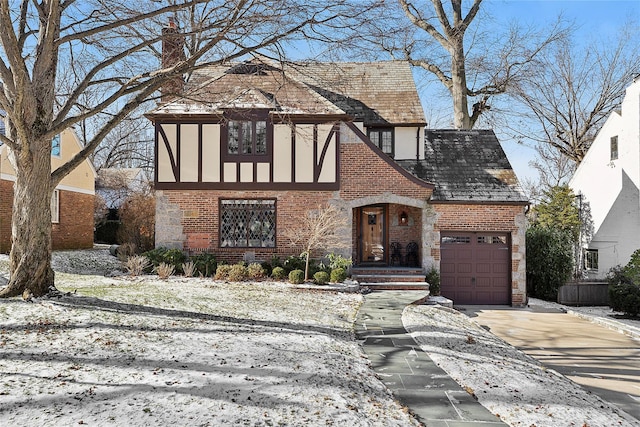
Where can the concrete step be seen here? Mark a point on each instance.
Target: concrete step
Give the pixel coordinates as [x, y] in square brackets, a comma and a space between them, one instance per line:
[398, 286]
[379, 278]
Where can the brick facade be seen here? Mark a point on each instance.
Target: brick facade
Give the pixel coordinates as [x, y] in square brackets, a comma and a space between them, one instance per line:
[189, 220]
[74, 229]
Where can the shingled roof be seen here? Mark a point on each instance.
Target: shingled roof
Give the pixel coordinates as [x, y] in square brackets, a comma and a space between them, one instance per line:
[467, 166]
[377, 93]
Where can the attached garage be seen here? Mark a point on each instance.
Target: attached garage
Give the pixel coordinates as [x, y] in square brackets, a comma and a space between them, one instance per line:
[475, 268]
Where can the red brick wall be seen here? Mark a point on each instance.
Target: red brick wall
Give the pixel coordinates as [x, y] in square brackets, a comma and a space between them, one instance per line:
[74, 230]
[75, 227]
[200, 219]
[364, 173]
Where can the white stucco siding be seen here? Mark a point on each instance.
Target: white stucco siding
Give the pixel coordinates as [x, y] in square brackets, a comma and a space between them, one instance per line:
[407, 143]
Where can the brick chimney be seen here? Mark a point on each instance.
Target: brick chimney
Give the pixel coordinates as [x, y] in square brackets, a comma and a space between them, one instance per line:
[172, 53]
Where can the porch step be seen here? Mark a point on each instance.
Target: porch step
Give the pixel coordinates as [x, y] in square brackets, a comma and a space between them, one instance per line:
[390, 278]
[396, 286]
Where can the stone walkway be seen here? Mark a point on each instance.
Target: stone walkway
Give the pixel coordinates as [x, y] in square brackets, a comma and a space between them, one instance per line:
[432, 396]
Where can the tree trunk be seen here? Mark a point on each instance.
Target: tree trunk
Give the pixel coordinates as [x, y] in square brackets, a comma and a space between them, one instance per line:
[461, 118]
[30, 258]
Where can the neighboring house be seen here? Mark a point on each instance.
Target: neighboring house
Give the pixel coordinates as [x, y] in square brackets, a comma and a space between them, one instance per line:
[115, 185]
[72, 203]
[253, 147]
[608, 179]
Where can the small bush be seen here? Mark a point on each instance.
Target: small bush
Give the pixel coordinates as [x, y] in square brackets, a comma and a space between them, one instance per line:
[321, 278]
[338, 261]
[174, 257]
[278, 273]
[135, 265]
[238, 273]
[205, 264]
[255, 271]
[294, 263]
[296, 277]
[137, 217]
[267, 268]
[338, 275]
[188, 268]
[433, 279]
[222, 271]
[123, 252]
[625, 297]
[164, 270]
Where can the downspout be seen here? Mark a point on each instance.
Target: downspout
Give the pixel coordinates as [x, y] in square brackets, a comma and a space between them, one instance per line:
[418, 144]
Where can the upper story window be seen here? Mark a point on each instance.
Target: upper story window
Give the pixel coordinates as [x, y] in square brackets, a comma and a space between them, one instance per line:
[383, 138]
[247, 134]
[590, 258]
[614, 147]
[247, 137]
[55, 146]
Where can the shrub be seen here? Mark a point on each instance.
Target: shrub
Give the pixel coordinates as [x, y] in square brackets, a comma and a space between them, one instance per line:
[321, 278]
[278, 273]
[625, 297]
[188, 269]
[296, 277]
[255, 271]
[293, 263]
[135, 265]
[338, 261]
[123, 252]
[632, 269]
[137, 217]
[267, 268]
[164, 270]
[338, 275]
[618, 275]
[238, 273]
[549, 261]
[433, 279]
[205, 264]
[222, 271]
[173, 257]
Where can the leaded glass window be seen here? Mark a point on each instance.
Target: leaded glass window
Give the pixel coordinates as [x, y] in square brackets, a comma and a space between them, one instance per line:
[248, 223]
[247, 137]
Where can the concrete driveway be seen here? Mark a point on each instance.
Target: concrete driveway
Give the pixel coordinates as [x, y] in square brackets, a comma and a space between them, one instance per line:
[601, 360]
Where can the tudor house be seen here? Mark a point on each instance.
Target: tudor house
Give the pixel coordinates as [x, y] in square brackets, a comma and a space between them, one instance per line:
[250, 148]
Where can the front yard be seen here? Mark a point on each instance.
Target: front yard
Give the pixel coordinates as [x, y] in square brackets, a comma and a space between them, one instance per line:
[121, 351]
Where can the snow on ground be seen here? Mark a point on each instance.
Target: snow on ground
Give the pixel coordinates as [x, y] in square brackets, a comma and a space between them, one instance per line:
[142, 351]
[506, 381]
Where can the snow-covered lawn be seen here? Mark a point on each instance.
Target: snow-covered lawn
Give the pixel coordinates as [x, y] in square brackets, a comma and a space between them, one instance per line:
[187, 352]
[195, 352]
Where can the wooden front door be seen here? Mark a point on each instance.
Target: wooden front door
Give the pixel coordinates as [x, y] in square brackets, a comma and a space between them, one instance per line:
[372, 234]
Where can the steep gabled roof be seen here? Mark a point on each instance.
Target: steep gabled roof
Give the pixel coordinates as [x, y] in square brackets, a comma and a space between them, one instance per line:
[467, 166]
[378, 93]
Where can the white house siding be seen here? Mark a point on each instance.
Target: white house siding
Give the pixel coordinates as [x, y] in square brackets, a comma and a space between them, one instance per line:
[610, 187]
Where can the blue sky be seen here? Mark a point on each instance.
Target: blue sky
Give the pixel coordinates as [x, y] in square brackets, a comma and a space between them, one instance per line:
[594, 18]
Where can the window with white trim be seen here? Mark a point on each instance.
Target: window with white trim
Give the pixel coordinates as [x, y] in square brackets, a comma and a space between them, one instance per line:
[248, 223]
[590, 259]
[55, 146]
[55, 207]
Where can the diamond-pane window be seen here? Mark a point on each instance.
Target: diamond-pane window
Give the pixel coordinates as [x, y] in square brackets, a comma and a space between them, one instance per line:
[248, 223]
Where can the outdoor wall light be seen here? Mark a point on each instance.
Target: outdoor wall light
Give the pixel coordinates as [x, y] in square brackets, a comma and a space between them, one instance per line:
[404, 218]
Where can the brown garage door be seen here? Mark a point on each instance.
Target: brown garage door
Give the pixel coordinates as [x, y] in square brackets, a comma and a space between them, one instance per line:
[475, 268]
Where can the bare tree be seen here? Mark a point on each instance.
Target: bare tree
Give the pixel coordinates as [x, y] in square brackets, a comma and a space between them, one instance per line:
[326, 228]
[474, 58]
[575, 89]
[55, 52]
